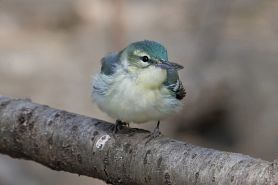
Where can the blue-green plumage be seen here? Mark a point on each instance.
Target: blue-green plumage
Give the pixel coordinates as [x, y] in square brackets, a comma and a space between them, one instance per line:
[109, 63]
[138, 84]
[154, 49]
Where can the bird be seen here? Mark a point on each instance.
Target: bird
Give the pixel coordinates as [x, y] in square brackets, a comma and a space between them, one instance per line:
[138, 84]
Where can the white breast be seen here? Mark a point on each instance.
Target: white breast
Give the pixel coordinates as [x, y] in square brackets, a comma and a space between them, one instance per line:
[133, 99]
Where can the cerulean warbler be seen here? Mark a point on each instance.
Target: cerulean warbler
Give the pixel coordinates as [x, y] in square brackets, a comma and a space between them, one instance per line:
[138, 84]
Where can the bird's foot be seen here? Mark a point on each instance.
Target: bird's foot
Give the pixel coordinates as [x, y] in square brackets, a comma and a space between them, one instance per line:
[156, 133]
[119, 125]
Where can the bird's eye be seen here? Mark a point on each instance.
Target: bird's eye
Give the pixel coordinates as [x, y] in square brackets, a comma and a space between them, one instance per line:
[145, 58]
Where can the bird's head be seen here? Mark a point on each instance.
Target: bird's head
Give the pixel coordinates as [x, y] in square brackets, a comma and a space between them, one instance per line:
[148, 61]
[145, 54]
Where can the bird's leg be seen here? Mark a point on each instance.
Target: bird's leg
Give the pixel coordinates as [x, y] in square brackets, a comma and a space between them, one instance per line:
[155, 133]
[118, 125]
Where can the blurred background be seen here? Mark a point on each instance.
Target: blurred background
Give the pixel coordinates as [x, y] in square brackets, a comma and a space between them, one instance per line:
[50, 49]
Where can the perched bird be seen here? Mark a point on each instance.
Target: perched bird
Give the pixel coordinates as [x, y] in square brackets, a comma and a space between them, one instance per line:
[138, 84]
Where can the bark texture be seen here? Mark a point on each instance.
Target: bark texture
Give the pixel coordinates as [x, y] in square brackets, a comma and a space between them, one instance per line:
[87, 146]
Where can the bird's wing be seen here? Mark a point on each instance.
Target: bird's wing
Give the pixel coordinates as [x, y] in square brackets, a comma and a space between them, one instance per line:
[174, 84]
[109, 63]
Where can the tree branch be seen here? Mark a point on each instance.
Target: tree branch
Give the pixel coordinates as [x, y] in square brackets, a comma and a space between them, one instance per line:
[87, 146]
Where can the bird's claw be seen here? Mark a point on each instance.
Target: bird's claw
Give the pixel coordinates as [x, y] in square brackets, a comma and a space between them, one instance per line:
[119, 125]
[156, 133]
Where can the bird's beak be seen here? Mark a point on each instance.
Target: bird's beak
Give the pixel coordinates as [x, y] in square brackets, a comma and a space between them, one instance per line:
[168, 65]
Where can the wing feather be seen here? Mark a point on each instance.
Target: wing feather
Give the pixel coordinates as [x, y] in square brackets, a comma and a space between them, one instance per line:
[109, 63]
[174, 84]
